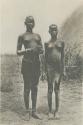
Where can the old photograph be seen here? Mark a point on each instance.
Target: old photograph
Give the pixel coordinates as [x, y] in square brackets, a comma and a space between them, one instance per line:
[41, 62]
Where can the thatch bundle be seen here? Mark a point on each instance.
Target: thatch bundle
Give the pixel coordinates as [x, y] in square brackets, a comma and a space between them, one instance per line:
[72, 34]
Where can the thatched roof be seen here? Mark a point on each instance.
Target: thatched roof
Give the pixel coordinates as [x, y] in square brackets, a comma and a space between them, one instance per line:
[72, 32]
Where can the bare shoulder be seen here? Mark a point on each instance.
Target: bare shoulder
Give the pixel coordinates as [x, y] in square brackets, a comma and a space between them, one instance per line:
[46, 44]
[20, 38]
[21, 35]
[37, 36]
[60, 43]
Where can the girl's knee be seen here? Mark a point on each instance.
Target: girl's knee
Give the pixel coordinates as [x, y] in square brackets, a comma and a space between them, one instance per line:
[50, 90]
[56, 87]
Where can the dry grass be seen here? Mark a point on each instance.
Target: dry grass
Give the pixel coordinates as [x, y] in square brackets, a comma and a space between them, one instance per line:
[12, 103]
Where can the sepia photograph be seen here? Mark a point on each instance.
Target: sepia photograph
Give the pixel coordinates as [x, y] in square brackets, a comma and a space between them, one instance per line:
[41, 62]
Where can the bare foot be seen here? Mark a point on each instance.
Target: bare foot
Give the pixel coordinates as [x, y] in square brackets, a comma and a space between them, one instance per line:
[56, 115]
[26, 117]
[36, 116]
[50, 116]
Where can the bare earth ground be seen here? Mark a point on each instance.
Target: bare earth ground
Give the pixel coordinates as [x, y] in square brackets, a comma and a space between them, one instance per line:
[12, 104]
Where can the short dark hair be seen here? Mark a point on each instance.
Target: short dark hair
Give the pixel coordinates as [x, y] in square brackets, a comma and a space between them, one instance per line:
[29, 20]
[53, 27]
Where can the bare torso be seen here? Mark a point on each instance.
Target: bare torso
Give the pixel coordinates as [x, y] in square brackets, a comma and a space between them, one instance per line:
[53, 52]
[30, 40]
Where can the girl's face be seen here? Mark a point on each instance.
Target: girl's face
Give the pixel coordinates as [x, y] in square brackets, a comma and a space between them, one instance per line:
[53, 33]
[30, 25]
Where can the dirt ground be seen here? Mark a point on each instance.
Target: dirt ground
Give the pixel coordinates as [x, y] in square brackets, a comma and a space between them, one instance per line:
[12, 107]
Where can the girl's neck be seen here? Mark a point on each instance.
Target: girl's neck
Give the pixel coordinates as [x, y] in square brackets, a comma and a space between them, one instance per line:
[53, 39]
[29, 30]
